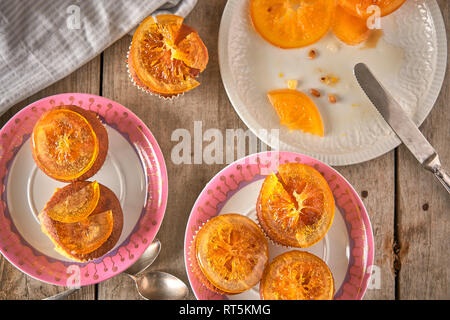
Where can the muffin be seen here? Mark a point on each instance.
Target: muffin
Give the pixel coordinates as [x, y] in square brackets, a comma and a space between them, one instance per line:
[69, 143]
[295, 206]
[87, 236]
[166, 56]
[297, 275]
[229, 254]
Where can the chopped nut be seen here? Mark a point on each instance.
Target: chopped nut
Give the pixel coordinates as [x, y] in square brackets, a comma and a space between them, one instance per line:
[292, 84]
[312, 54]
[315, 92]
[332, 98]
[329, 80]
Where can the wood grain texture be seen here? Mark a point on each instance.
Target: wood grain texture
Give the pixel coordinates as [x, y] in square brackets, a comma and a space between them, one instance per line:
[423, 208]
[13, 283]
[207, 103]
[374, 182]
[394, 186]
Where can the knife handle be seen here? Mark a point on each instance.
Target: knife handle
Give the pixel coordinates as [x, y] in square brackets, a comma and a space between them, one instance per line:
[434, 165]
[444, 178]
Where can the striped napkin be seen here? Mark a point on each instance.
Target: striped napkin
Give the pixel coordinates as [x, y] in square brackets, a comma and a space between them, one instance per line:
[42, 41]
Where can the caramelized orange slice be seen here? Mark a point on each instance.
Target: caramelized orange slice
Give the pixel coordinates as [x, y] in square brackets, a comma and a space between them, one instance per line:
[349, 29]
[297, 275]
[292, 23]
[167, 55]
[232, 252]
[65, 145]
[192, 52]
[360, 8]
[84, 236]
[74, 202]
[296, 206]
[296, 111]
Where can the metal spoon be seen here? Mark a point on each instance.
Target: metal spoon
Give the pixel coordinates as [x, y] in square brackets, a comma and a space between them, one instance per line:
[157, 285]
[144, 261]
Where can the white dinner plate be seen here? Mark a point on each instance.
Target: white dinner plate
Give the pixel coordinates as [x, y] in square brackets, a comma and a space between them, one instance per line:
[410, 59]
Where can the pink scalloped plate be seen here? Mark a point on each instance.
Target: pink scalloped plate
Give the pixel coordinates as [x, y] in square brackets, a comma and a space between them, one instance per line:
[347, 248]
[134, 169]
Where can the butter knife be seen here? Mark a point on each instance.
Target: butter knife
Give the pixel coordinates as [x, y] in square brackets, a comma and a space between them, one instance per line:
[402, 125]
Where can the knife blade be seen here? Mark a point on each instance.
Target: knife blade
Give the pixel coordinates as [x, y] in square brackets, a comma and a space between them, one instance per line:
[399, 121]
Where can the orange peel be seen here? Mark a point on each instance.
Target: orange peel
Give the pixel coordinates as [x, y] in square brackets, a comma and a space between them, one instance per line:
[296, 111]
[73, 203]
[362, 8]
[297, 275]
[292, 23]
[84, 236]
[295, 207]
[349, 29]
[231, 252]
[166, 56]
[64, 144]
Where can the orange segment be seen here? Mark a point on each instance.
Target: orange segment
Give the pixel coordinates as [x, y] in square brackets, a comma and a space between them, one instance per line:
[292, 23]
[74, 205]
[359, 8]
[65, 144]
[86, 235]
[349, 29]
[167, 55]
[192, 52]
[232, 252]
[297, 275]
[296, 111]
[295, 207]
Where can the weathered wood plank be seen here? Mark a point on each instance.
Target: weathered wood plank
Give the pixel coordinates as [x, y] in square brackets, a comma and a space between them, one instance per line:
[374, 181]
[421, 234]
[424, 208]
[207, 103]
[13, 283]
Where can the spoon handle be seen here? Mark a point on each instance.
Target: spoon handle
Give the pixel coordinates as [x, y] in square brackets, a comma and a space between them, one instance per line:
[62, 295]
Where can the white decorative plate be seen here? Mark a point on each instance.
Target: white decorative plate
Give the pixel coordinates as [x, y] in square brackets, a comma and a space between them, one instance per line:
[410, 59]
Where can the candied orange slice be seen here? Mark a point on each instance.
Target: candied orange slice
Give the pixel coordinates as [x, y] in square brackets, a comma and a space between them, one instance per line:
[297, 275]
[349, 29]
[292, 23]
[296, 111]
[295, 207]
[64, 143]
[192, 52]
[359, 8]
[167, 55]
[74, 202]
[84, 236]
[232, 252]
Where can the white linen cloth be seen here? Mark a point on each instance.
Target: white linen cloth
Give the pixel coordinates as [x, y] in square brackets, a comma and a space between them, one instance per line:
[42, 41]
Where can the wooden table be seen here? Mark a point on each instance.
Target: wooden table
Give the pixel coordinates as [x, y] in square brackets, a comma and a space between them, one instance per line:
[408, 208]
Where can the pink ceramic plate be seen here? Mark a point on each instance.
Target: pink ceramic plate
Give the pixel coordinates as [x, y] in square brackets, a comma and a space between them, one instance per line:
[347, 248]
[134, 169]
